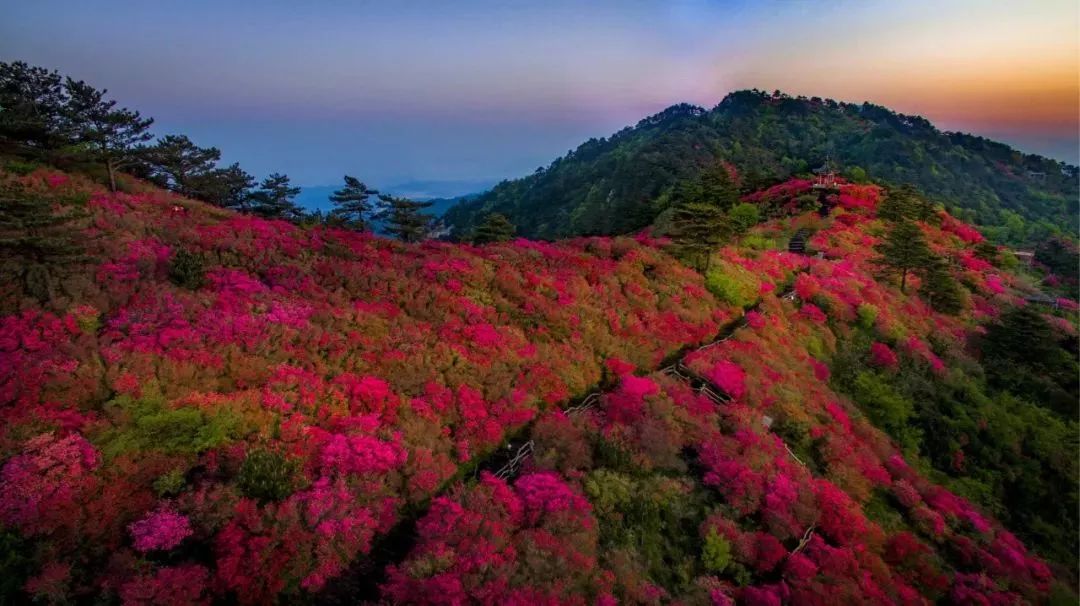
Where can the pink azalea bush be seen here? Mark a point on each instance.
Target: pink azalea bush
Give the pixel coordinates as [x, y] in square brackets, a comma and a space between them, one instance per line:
[160, 530]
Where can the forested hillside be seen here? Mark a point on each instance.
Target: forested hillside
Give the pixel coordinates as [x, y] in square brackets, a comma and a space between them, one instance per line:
[200, 406]
[620, 184]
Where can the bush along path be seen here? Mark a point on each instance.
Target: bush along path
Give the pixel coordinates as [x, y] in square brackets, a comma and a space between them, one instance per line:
[361, 582]
[735, 474]
[247, 406]
[204, 407]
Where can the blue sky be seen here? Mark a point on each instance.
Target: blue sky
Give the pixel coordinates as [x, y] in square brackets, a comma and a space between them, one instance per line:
[479, 90]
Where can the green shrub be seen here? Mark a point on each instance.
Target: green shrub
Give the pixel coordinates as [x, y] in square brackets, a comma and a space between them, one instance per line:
[153, 426]
[610, 454]
[187, 270]
[744, 216]
[609, 490]
[170, 483]
[655, 520]
[887, 408]
[867, 315]
[733, 285]
[816, 347]
[77, 199]
[267, 475]
[20, 167]
[758, 242]
[716, 553]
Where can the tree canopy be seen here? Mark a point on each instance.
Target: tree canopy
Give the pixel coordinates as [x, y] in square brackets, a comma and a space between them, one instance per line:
[353, 204]
[107, 134]
[274, 198]
[405, 219]
[620, 184]
[903, 251]
[495, 228]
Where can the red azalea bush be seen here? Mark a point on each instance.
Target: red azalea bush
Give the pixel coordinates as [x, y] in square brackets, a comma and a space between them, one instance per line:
[368, 369]
[494, 543]
[251, 437]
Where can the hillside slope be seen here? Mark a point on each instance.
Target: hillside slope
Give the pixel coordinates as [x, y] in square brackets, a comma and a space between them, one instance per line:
[199, 406]
[619, 184]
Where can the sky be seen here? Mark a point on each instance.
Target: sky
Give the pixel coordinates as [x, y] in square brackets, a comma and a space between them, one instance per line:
[396, 91]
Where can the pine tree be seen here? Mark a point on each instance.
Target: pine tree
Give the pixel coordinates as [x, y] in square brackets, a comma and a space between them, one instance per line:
[178, 164]
[274, 198]
[109, 135]
[228, 187]
[1022, 353]
[495, 228]
[988, 252]
[699, 228]
[700, 217]
[353, 204]
[903, 251]
[36, 240]
[31, 104]
[717, 186]
[404, 219]
[939, 289]
[906, 203]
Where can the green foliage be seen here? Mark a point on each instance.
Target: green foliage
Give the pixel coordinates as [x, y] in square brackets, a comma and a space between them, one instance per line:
[621, 183]
[699, 228]
[988, 252]
[867, 315]
[856, 174]
[653, 517]
[1022, 355]
[179, 165]
[1009, 261]
[1018, 455]
[940, 289]
[89, 324]
[274, 198]
[187, 269]
[37, 240]
[716, 552]
[353, 206]
[886, 408]
[758, 242]
[33, 100]
[906, 203]
[170, 483]
[881, 508]
[1061, 594]
[744, 216]
[405, 219]
[20, 167]
[816, 347]
[796, 435]
[176, 163]
[268, 476]
[732, 284]
[495, 228]
[1062, 258]
[100, 131]
[609, 490]
[154, 426]
[610, 454]
[903, 251]
[701, 220]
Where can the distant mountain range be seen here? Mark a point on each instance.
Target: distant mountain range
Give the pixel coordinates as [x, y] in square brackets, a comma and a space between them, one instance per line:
[620, 184]
[442, 193]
